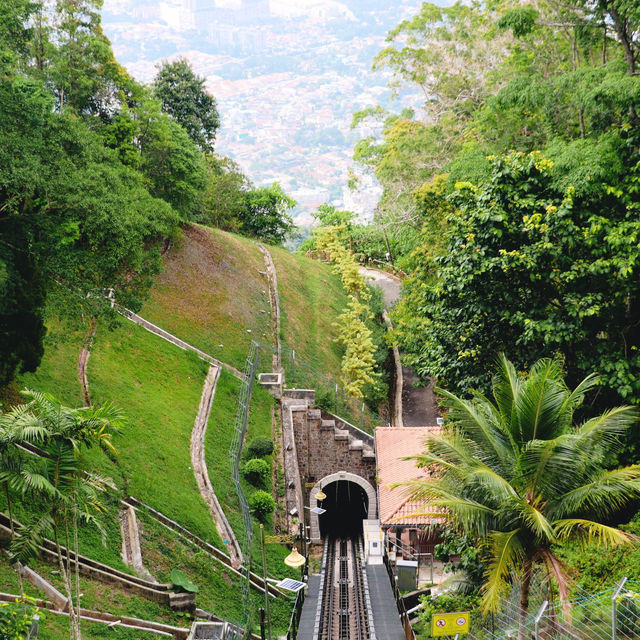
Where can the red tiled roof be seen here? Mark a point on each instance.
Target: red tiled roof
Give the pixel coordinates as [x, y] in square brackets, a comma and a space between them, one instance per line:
[391, 446]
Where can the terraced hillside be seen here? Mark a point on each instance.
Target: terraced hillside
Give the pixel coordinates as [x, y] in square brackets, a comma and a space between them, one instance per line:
[213, 293]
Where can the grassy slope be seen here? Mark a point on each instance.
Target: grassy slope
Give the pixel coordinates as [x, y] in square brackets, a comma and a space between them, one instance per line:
[158, 386]
[211, 292]
[311, 299]
[58, 371]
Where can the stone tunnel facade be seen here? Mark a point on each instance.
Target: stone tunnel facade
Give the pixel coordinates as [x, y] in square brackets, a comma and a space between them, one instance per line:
[326, 446]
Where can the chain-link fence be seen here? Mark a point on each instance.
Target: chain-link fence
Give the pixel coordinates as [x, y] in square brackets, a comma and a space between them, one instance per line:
[235, 453]
[612, 614]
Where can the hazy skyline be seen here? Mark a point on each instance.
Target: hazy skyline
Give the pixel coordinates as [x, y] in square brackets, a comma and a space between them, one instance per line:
[287, 74]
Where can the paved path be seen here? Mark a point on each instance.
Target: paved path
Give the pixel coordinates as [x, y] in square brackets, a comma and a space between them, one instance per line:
[201, 472]
[386, 620]
[418, 404]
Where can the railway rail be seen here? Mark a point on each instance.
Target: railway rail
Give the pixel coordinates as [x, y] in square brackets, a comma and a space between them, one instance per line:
[344, 614]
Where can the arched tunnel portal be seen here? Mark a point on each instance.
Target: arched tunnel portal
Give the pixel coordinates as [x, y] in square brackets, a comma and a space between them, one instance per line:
[350, 500]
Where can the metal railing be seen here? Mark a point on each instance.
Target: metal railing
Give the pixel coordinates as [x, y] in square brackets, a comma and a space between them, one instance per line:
[402, 610]
[294, 621]
[235, 453]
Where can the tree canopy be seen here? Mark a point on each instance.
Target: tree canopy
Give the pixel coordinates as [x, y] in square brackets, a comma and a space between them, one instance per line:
[185, 99]
[515, 473]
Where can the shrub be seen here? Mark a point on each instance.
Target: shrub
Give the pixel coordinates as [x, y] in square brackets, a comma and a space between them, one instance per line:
[259, 447]
[257, 471]
[16, 618]
[262, 504]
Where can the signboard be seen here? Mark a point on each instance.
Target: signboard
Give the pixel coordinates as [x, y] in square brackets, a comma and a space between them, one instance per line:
[449, 624]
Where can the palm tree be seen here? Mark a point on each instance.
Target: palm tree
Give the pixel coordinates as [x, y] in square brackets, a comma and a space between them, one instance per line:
[517, 475]
[74, 492]
[17, 471]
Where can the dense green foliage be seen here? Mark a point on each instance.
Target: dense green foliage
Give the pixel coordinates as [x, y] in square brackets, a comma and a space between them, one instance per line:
[515, 473]
[184, 98]
[511, 197]
[96, 171]
[16, 618]
[259, 447]
[261, 504]
[257, 471]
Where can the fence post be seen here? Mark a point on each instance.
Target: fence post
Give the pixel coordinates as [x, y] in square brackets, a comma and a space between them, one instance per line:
[262, 627]
[537, 619]
[293, 365]
[614, 608]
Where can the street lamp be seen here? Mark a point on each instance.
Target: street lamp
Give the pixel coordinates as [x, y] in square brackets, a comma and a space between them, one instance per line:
[294, 559]
[321, 495]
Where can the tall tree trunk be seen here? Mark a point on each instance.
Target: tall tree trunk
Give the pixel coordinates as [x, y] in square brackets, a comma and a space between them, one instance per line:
[13, 532]
[77, 567]
[524, 598]
[65, 579]
[76, 606]
[625, 38]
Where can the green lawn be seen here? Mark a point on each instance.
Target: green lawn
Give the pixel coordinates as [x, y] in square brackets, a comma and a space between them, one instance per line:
[211, 292]
[58, 371]
[158, 386]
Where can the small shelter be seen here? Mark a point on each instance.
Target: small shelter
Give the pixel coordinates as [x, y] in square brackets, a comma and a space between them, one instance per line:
[407, 535]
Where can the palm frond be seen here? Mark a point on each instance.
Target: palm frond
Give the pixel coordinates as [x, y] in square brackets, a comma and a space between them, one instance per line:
[506, 552]
[542, 401]
[550, 467]
[25, 545]
[607, 492]
[590, 532]
[606, 428]
[534, 520]
[481, 423]
[506, 388]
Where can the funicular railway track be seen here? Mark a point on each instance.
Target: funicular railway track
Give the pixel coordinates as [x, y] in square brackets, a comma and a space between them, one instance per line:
[344, 612]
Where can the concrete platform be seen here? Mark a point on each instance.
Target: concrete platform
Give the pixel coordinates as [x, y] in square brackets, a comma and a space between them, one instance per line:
[309, 609]
[386, 620]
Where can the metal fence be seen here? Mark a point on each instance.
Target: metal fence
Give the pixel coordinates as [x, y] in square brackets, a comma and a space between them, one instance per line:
[612, 614]
[235, 453]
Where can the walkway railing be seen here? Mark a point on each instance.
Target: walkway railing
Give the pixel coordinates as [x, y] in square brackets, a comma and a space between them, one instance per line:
[235, 452]
[402, 610]
[294, 622]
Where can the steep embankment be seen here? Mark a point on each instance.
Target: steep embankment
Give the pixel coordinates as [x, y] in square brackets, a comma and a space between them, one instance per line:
[213, 291]
[213, 294]
[311, 299]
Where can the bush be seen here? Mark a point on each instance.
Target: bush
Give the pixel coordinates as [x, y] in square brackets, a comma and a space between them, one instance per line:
[259, 447]
[16, 618]
[257, 472]
[262, 504]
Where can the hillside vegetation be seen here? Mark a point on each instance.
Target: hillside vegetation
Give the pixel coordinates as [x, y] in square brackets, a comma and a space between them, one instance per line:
[211, 293]
[213, 288]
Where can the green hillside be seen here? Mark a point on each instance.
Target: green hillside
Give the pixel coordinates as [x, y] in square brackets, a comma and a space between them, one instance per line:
[311, 299]
[211, 291]
[211, 294]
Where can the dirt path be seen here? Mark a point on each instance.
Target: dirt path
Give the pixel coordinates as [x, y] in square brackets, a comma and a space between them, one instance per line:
[274, 299]
[201, 472]
[83, 360]
[413, 406]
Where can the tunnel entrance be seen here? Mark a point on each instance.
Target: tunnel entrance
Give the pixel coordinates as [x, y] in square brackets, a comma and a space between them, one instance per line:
[347, 505]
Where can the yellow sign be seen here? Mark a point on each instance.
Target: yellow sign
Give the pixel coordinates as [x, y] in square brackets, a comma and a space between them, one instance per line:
[449, 624]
